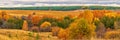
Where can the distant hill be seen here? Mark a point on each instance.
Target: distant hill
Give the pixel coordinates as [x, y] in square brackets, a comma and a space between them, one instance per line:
[62, 8]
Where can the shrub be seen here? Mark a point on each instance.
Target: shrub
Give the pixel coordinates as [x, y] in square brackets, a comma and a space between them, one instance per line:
[55, 31]
[51, 20]
[96, 21]
[25, 26]
[8, 25]
[62, 34]
[100, 30]
[112, 35]
[81, 29]
[117, 22]
[54, 22]
[34, 29]
[108, 21]
[46, 26]
[13, 23]
[65, 22]
[1, 22]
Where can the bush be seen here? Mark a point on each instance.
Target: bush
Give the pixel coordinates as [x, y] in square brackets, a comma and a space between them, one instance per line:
[51, 20]
[25, 26]
[112, 35]
[1, 22]
[117, 22]
[45, 27]
[100, 30]
[81, 29]
[55, 31]
[54, 22]
[65, 22]
[96, 21]
[108, 21]
[13, 23]
[62, 34]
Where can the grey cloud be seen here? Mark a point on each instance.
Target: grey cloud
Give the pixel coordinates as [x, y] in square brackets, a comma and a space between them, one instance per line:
[50, 2]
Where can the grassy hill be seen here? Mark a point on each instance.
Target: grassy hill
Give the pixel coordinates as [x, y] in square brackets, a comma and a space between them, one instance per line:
[62, 8]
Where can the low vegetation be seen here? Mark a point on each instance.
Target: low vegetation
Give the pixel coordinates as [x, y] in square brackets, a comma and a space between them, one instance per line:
[64, 25]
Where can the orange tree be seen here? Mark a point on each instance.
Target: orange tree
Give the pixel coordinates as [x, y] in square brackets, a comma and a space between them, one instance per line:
[35, 19]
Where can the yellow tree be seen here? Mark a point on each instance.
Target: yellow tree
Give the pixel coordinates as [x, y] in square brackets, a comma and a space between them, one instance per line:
[25, 25]
[88, 15]
[80, 29]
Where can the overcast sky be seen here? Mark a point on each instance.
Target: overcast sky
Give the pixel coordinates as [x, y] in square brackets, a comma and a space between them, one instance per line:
[24, 3]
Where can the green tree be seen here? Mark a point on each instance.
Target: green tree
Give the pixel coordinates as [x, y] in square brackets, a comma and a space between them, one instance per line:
[108, 21]
[65, 22]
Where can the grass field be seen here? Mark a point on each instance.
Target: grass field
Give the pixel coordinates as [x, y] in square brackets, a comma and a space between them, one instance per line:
[14, 34]
[41, 13]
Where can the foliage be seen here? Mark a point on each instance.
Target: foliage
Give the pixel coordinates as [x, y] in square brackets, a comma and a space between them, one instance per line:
[51, 20]
[62, 34]
[65, 22]
[55, 31]
[13, 23]
[37, 37]
[117, 22]
[100, 30]
[111, 14]
[112, 34]
[88, 15]
[96, 21]
[35, 19]
[46, 26]
[108, 21]
[25, 26]
[81, 29]
[1, 22]
[54, 22]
